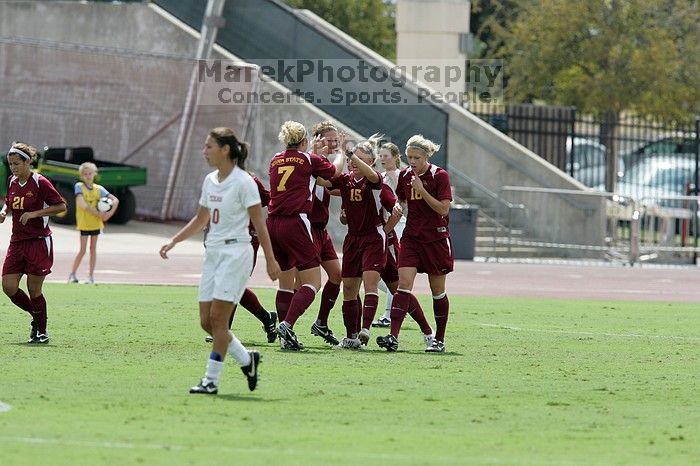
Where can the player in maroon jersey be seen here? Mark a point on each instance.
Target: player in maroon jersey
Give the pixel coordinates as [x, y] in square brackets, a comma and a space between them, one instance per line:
[370, 249]
[30, 198]
[327, 142]
[292, 177]
[426, 246]
[364, 248]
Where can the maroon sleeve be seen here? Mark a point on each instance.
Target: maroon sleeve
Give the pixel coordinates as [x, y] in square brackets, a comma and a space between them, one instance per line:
[339, 181]
[49, 193]
[320, 166]
[264, 192]
[399, 186]
[387, 198]
[444, 190]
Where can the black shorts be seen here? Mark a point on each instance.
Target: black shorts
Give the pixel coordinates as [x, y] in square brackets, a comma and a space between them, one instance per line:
[90, 232]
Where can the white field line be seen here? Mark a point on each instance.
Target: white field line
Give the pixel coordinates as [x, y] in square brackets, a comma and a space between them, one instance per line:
[4, 407]
[591, 334]
[392, 457]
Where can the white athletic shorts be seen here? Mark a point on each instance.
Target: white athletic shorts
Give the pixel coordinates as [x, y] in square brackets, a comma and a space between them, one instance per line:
[225, 272]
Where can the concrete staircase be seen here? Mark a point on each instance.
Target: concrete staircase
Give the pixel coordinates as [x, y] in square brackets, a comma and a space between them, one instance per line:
[493, 235]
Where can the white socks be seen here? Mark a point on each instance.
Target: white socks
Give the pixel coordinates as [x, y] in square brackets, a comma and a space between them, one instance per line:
[214, 370]
[238, 351]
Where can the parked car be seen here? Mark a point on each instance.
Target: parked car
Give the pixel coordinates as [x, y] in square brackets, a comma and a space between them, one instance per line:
[674, 144]
[657, 177]
[589, 161]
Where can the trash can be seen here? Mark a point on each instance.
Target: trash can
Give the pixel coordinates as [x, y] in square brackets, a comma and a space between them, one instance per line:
[463, 220]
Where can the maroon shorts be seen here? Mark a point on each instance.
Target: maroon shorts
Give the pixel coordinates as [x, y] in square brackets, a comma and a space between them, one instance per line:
[362, 254]
[29, 256]
[390, 274]
[324, 244]
[292, 242]
[434, 258]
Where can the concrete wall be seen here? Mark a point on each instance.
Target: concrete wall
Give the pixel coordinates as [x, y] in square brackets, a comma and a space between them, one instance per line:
[137, 29]
[494, 160]
[428, 31]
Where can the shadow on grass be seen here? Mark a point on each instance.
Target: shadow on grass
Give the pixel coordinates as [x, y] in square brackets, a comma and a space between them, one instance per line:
[248, 398]
[32, 345]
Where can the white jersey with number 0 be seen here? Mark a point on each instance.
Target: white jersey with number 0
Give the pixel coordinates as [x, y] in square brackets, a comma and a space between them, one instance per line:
[228, 202]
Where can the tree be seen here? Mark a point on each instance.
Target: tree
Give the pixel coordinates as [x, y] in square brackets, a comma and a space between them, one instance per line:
[606, 57]
[371, 22]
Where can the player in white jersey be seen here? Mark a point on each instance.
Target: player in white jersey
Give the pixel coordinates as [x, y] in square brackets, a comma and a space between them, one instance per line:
[228, 203]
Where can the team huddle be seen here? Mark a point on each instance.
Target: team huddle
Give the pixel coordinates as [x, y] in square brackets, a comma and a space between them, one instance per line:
[397, 227]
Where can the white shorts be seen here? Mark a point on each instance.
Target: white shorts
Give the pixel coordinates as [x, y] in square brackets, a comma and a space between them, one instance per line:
[225, 272]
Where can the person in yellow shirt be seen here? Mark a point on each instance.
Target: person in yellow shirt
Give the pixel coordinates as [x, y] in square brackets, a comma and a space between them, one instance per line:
[89, 220]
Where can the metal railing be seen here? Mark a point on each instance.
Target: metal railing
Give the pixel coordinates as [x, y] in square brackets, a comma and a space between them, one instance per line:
[602, 225]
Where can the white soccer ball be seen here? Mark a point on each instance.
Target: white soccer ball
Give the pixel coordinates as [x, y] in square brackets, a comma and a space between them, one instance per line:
[104, 204]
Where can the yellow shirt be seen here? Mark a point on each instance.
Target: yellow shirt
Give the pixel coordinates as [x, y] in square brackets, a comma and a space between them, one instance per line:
[85, 221]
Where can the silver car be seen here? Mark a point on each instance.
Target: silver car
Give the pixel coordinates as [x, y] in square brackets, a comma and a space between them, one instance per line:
[589, 161]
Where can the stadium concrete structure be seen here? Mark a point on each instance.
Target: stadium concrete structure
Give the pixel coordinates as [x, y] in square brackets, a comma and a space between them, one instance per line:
[75, 38]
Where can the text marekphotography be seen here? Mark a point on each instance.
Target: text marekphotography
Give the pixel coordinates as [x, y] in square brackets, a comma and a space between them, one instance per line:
[325, 82]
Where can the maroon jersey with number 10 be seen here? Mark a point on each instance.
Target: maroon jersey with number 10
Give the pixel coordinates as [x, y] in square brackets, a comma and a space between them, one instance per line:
[292, 179]
[423, 223]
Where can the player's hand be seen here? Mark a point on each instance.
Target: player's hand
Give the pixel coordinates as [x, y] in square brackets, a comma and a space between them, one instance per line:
[417, 184]
[319, 146]
[343, 141]
[397, 210]
[343, 217]
[165, 248]
[3, 216]
[27, 216]
[273, 269]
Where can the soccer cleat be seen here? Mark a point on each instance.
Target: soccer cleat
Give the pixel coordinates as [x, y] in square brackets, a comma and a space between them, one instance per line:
[349, 343]
[32, 333]
[364, 336]
[269, 327]
[285, 332]
[209, 338]
[72, 278]
[389, 343]
[89, 281]
[283, 345]
[251, 370]
[205, 386]
[382, 322]
[324, 332]
[39, 339]
[428, 339]
[437, 347]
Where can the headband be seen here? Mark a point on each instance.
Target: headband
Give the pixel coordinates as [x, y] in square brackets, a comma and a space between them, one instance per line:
[17, 151]
[416, 146]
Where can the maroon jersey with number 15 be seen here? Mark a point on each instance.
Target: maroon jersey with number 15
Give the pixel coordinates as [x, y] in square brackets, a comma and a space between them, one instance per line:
[423, 223]
[292, 179]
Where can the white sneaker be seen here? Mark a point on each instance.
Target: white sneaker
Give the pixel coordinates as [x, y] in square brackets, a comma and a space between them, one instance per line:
[349, 343]
[72, 278]
[363, 336]
[428, 339]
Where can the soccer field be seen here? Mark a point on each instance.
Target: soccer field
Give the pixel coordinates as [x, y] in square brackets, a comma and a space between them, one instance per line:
[533, 382]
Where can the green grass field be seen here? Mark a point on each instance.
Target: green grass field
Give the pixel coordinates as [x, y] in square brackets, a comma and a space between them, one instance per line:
[534, 382]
